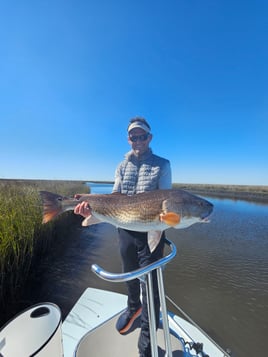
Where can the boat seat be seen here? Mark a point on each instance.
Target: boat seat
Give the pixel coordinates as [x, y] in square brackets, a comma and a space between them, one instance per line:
[105, 341]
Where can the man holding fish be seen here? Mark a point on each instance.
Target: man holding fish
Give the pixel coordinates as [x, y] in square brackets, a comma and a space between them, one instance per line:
[142, 206]
[140, 171]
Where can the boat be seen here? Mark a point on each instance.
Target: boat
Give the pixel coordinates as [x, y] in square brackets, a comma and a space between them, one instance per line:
[89, 328]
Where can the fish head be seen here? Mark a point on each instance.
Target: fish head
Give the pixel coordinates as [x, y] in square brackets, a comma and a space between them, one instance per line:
[195, 210]
[190, 208]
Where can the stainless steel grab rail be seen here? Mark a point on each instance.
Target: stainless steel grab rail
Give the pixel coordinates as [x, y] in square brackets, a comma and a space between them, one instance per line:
[145, 274]
[121, 277]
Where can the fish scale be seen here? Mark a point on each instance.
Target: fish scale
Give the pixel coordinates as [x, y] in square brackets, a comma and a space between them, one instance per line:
[129, 208]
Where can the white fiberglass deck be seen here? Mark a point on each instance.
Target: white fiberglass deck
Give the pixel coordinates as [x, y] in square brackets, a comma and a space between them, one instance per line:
[92, 309]
[99, 308]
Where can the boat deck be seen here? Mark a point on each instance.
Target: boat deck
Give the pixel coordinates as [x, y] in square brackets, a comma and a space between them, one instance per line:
[90, 327]
[92, 322]
[106, 341]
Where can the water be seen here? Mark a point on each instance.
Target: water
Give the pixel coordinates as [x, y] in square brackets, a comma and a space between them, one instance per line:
[219, 276]
[100, 187]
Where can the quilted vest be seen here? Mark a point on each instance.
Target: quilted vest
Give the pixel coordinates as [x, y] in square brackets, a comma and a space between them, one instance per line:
[136, 175]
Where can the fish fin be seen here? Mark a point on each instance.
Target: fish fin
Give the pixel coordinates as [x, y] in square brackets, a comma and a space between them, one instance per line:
[49, 216]
[153, 238]
[170, 218]
[89, 221]
[51, 205]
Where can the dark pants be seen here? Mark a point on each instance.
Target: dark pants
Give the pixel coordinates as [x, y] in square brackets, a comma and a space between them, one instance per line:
[135, 254]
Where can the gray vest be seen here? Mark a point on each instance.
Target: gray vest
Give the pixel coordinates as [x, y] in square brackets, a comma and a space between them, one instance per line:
[136, 175]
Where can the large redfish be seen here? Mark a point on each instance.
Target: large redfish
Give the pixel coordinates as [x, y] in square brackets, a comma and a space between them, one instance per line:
[151, 212]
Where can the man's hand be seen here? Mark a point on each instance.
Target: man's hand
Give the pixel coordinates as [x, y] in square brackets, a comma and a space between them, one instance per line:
[82, 208]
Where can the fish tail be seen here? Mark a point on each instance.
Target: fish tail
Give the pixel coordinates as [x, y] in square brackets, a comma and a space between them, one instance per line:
[52, 206]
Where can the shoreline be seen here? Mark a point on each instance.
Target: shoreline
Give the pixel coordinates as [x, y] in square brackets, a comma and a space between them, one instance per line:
[235, 192]
[252, 193]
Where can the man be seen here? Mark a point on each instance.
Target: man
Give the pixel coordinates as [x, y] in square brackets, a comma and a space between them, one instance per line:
[140, 171]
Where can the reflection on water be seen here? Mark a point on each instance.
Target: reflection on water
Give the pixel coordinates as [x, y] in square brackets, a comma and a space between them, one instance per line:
[219, 276]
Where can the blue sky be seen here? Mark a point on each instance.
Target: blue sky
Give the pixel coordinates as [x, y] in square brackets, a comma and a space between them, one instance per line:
[74, 72]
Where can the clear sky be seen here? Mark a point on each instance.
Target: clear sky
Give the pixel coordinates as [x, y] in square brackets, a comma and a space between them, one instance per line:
[72, 74]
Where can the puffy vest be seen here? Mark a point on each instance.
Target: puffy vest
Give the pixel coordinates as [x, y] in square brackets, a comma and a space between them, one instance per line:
[136, 175]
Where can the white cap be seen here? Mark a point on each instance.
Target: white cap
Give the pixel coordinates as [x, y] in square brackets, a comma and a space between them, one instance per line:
[139, 124]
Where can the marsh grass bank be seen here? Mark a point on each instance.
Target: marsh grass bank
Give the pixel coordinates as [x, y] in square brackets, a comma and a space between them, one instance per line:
[236, 192]
[24, 241]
